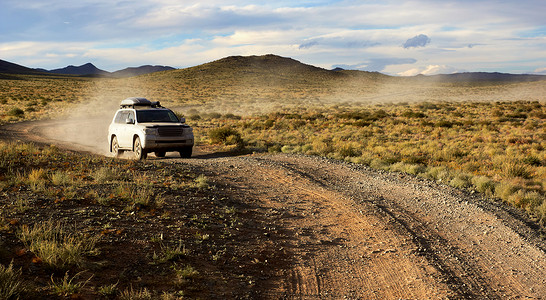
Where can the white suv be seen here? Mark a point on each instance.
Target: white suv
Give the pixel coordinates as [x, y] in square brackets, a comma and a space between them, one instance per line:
[143, 126]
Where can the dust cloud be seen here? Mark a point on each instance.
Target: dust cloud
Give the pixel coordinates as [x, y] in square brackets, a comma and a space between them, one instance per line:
[360, 93]
[84, 126]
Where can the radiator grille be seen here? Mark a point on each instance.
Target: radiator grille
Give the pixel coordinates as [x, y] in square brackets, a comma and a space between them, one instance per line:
[170, 131]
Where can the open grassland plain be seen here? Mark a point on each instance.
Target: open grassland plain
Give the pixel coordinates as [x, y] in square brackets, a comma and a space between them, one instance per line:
[496, 148]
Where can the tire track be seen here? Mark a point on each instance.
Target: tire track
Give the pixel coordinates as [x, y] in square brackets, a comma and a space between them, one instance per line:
[339, 249]
[445, 224]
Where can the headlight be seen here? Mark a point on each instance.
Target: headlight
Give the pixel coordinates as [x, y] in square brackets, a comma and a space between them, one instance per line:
[150, 131]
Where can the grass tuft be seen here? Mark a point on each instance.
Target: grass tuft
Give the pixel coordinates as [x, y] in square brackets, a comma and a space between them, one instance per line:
[109, 290]
[66, 287]
[12, 286]
[201, 182]
[170, 253]
[56, 246]
[132, 294]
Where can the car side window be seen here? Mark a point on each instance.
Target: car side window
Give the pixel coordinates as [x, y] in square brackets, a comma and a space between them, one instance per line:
[122, 116]
[119, 118]
[131, 115]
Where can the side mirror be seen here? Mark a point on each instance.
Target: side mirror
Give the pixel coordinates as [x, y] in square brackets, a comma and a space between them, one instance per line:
[129, 121]
[182, 120]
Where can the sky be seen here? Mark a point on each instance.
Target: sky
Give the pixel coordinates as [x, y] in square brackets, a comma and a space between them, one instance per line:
[401, 38]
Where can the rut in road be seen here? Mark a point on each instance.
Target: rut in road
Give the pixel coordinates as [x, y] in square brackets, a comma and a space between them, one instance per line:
[360, 233]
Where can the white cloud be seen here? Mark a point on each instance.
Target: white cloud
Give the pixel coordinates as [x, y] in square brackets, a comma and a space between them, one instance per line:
[377, 64]
[430, 70]
[540, 71]
[42, 54]
[504, 36]
[417, 41]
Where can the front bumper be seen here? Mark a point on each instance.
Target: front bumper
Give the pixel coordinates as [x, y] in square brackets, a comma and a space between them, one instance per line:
[166, 144]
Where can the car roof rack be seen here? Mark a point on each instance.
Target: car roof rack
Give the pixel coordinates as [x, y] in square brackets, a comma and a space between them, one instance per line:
[134, 102]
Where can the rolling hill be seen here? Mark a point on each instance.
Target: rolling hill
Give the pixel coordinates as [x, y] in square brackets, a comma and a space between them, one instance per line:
[265, 66]
[254, 84]
[85, 70]
[249, 78]
[484, 77]
[7, 67]
[260, 84]
[135, 71]
[89, 69]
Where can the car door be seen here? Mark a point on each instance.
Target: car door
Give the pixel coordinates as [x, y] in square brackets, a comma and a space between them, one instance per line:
[116, 128]
[128, 125]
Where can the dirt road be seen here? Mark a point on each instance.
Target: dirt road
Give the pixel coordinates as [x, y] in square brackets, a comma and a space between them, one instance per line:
[347, 231]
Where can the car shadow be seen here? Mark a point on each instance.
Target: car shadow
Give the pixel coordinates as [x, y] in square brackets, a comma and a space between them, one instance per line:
[220, 154]
[204, 155]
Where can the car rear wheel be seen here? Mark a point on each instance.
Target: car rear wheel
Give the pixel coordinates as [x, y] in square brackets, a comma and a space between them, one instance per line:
[115, 147]
[140, 153]
[185, 152]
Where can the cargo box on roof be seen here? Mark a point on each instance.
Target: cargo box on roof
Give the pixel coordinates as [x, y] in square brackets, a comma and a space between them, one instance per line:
[138, 101]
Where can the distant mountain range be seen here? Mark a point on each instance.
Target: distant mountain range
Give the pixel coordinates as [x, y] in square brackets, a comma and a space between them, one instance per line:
[87, 69]
[269, 63]
[7, 67]
[482, 77]
[135, 71]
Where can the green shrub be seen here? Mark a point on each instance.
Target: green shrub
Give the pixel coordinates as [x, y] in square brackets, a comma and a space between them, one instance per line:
[439, 173]
[504, 190]
[484, 184]
[287, 149]
[380, 164]
[274, 149]
[529, 200]
[323, 146]
[532, 161]
[348, 149]
[514, 169]
[460, 181]
[225, 135]
[541, 212]
[16, 112]
[408, 168]
[412, 114]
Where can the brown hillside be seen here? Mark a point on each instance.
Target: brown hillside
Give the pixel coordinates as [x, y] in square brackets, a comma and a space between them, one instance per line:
[256, 79]
[7, 67]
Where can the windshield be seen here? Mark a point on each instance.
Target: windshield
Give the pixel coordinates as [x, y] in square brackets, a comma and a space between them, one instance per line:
[160, 115]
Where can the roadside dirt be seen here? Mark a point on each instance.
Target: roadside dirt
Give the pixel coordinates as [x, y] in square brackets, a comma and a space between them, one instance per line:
[345, 231]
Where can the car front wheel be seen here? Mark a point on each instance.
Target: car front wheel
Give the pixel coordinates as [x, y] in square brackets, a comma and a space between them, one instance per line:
[185, 152]
[115, 147]
[140, 153]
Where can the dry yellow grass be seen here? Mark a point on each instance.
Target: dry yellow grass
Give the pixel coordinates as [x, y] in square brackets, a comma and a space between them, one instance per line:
[497, 148]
